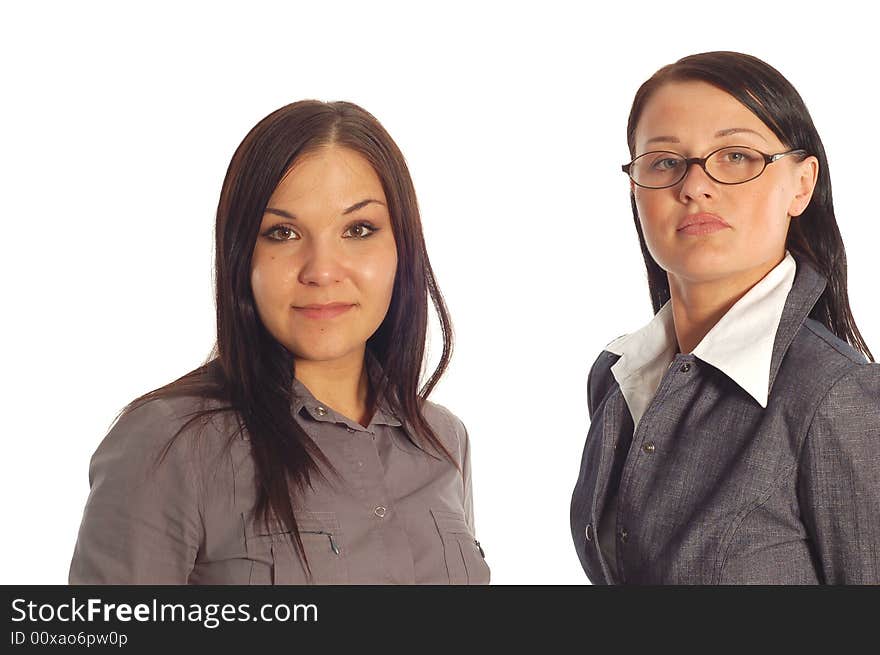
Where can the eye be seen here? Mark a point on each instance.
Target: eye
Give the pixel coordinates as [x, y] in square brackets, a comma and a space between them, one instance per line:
[738, 156]
[666, 163]
[281, 233]
[361, 230]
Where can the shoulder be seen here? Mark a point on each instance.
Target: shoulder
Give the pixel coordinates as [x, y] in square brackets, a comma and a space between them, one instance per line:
[840, 450]
[188, 407]
[601, 367]
[447, 426]
[441, 419]
[829, 344]
[141, 427]
[600, 379]
[852, 403]
[150, 422]
[161, 430]
[845, 425]
[814, 363]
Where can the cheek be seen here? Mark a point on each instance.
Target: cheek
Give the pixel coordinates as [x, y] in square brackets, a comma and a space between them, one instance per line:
[652, 207]
[271, 280]
[376, 273]
[765, 209]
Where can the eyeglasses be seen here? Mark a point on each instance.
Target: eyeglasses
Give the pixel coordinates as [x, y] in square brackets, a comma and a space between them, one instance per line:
[660, 169]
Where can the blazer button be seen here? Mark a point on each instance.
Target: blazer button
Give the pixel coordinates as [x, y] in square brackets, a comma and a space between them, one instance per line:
[589, 531]
[624, 535]
[321, 411]
[649, 447]
[685, 367]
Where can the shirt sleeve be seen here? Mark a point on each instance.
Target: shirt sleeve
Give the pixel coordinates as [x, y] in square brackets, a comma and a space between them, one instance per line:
[839, 483]
[468, 500]
[141, 523]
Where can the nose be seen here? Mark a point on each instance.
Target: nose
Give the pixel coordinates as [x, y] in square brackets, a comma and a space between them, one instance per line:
[322, 264]
[696, 184]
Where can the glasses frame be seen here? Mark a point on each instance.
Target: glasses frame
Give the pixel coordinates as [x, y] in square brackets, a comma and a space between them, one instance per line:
[690, 161]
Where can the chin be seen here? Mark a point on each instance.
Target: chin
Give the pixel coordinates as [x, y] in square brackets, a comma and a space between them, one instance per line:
[324, 351]
[699, 262]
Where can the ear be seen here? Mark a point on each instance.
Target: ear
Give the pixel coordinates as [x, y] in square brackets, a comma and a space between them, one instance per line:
[807, 173]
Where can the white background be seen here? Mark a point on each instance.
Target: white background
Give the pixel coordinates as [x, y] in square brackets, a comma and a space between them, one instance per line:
[117, 126]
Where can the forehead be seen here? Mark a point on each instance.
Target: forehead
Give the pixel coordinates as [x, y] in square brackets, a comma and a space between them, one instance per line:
[693, 112]
[332, 177]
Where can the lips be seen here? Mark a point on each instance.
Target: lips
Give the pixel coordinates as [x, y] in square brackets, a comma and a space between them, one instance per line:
[701, 223]
[327, 311]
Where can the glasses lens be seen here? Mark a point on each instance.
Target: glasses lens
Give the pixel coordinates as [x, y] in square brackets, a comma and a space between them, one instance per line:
[736, 164]
[657, 169]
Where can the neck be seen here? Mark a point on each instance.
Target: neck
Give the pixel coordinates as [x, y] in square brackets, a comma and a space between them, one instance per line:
[342, 384]
[698, 306]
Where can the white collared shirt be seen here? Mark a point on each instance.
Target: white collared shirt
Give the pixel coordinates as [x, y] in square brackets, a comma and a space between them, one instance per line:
[740, 345]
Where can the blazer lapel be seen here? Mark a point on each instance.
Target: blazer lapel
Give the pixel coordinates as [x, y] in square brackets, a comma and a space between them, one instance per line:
[805, 292]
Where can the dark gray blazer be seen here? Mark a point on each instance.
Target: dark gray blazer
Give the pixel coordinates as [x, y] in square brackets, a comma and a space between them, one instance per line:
[713, 489]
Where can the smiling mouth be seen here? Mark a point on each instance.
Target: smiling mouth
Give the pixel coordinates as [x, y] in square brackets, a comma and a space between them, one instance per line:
[323, 312]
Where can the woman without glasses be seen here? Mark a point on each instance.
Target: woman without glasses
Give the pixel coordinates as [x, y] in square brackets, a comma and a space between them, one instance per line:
[734, 438]
[303, 451]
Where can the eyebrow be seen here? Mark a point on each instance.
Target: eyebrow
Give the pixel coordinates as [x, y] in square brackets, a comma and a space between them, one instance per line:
[353, 208]
[718, 135]
[737, 130]
[362, 203]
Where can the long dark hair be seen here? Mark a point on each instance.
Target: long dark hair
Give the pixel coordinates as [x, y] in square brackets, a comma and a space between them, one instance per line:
[814, 236]
[249, 372]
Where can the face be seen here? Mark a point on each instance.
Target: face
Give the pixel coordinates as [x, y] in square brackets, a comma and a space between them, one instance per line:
[734, 229]
[325, 259]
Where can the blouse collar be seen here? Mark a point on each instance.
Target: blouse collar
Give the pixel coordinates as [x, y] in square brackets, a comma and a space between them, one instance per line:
[301, 398]
[740, 344]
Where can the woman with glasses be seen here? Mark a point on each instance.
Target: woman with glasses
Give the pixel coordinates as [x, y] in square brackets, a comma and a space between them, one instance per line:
[304, 450]
[735, 438]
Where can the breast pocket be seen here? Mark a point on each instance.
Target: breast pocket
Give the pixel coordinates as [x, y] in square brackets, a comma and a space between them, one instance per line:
[275, 561]
[465, 561]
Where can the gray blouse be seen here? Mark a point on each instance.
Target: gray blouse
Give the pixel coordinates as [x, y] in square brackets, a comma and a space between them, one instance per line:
[396, 514]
